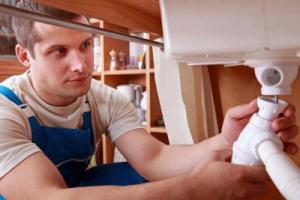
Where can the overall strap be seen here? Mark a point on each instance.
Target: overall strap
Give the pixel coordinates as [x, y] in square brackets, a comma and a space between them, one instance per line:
[28, 112]
[86, 115]
[10, 95]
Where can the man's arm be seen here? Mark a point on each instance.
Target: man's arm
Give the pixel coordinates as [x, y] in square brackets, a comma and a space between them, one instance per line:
[37, 178]
[157, 161]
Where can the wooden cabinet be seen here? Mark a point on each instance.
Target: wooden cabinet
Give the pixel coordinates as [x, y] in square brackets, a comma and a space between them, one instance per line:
[144, 77]
[9, 68]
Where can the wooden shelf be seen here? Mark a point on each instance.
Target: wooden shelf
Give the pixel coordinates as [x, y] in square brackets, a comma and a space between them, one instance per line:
[125, 72]
[158, 129]
[151, 70]
[96, 74]
[143, 77]
[11, 35]
[9, 58]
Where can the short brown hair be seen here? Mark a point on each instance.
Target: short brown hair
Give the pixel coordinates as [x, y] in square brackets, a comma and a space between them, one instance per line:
[24, 30]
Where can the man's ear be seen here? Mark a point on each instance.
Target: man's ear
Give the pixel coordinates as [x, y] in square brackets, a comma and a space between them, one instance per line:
[23, 55]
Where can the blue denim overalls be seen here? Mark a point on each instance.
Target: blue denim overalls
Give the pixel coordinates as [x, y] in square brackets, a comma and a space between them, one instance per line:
[71, 150]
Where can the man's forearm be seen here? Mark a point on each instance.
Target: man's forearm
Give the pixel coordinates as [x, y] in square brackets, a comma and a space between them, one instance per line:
[181, 159]
[174, 188]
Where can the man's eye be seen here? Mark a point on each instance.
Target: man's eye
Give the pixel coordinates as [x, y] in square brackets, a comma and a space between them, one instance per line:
[86, 45]
[60, 51]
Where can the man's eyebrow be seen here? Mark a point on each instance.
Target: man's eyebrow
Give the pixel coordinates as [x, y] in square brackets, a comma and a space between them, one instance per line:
[54, 46]
[89, 38]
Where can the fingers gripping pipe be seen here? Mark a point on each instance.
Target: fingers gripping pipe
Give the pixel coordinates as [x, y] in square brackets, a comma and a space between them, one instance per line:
[258, 144]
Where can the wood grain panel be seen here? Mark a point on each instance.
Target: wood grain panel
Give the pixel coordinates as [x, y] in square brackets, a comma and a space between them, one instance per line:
[155, 111]
[232, 86]
[190, 78]
[137, 15]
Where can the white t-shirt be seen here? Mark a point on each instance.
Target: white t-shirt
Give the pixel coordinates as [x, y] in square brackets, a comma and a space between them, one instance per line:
[117, 115]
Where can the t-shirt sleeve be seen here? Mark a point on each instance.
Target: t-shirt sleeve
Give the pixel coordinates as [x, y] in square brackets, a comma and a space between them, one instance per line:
[15, 138]
[124, 116]
[117, 114]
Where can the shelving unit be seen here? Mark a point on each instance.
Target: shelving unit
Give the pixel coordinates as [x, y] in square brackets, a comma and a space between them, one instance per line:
[125, 72]
[158, 129]
[144, 77]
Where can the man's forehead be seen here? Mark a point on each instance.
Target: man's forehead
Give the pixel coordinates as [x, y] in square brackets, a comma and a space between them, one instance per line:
[43, 28]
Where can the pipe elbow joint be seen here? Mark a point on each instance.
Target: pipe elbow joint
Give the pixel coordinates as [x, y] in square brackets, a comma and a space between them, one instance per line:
[245, 149]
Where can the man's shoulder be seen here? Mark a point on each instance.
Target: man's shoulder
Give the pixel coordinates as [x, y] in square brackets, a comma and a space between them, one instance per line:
[105, 95]
[99, 89]
[14, 81]
[14, 84]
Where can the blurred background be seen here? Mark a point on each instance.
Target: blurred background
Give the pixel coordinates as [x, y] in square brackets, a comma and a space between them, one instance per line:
[7, 38]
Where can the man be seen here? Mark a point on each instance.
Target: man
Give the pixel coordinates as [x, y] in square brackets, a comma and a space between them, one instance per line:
[46, 134]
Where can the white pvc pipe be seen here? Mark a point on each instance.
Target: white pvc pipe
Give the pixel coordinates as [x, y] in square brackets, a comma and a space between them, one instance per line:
[282, 170]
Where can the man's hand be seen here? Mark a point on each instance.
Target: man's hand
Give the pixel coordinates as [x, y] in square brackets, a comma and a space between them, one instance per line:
[222, 180]
[286, 129]
[238, 117]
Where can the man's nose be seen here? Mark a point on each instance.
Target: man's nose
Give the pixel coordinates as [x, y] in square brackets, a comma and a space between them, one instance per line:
[77, 62]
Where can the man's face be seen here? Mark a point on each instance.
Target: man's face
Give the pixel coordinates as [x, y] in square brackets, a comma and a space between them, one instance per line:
[63, 63]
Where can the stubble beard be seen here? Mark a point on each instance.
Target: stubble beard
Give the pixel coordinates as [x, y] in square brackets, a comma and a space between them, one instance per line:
[75, 91]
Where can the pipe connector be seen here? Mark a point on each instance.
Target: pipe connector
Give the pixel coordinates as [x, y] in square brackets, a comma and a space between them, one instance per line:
[258, 130]
[245, 149]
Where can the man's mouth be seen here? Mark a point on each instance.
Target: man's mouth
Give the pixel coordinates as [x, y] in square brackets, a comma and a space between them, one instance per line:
[83, 78]
[80, 78]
